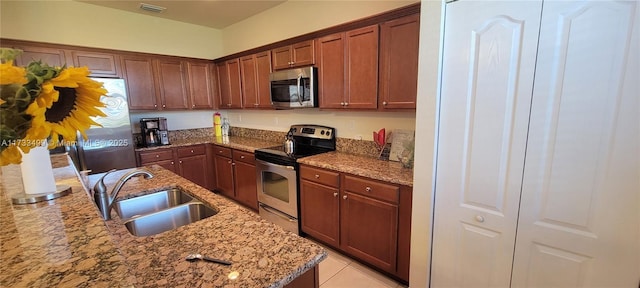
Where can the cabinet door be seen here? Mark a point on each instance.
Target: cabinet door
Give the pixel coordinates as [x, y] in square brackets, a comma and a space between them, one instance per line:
[50, 56]
[281, 58]
[302, 54]
[369, 230]
[246, 185]
[579, 219]
[172, 84]
[230, 87]
[141, 87]
[200, 90]
[319, 212]
[362, 68]
[249, 81]
[331, 71]
[263, 85]
[100, 64]
[193, 168]
[487, 77]
[399, 63]
[224, 176]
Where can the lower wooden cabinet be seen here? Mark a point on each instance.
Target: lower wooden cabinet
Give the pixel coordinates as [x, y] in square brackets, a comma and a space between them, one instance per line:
[190, 162]
[364, 218]
[236, 175]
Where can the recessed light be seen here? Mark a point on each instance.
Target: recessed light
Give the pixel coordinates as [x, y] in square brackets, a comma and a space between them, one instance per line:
[152, 8]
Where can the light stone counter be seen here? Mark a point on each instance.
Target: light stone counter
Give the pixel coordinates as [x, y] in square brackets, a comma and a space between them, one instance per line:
[65, 243]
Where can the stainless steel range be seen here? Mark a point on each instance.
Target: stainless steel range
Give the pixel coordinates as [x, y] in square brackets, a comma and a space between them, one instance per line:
[277, 172]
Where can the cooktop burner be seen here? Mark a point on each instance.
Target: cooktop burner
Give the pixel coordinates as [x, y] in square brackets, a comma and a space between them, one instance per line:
[308, 140]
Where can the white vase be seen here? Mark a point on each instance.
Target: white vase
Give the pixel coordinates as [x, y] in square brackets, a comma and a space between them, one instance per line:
[37, 173]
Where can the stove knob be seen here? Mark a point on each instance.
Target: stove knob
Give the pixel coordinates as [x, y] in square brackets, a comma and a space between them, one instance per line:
[321, 132]
[328, 133]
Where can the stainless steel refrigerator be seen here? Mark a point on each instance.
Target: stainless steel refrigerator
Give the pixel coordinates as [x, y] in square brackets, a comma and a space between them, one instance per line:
[110, 146]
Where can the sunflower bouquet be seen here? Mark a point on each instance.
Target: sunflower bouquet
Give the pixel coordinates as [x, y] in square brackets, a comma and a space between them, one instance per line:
[41, 103]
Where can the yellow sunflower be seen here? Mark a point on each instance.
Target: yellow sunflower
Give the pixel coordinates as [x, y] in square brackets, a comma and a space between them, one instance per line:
[10, 74]
[65, 105]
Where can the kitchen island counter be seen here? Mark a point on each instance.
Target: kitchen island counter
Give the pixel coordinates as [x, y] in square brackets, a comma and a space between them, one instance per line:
[65, 242]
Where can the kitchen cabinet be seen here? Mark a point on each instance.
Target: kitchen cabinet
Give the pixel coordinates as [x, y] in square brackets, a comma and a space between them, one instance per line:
[236, 175]
[190, 162]
[535, 184]
[362, 217]
[172, 85]
[162, 156]
[295, 55]
[398, 78]
[348, 69]
[100, 64]
[138, 73]
[255, 70]
[51, 56]
[230, 89]
[199, 74]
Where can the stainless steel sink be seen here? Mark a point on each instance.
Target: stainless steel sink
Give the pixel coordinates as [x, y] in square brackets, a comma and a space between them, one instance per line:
[168, 219]
[150, 203]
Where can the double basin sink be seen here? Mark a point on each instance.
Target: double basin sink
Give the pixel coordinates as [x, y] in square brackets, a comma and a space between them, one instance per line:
[161, 211]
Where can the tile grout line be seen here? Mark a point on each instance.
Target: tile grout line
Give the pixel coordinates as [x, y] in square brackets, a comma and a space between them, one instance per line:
[334, 275]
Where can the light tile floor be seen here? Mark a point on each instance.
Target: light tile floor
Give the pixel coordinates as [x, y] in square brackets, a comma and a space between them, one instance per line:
[339, 271]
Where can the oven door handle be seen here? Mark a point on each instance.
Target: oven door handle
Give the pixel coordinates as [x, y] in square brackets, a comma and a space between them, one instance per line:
[276, 165]
[268, 209]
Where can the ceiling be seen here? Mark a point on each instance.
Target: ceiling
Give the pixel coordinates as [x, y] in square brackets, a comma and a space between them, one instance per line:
[216, 14]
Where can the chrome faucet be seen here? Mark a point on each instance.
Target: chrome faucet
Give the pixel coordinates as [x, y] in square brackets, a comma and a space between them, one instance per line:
[104, 200]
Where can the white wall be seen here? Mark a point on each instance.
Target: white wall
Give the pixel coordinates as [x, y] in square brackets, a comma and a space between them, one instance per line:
[426, 121]
[297, 17]
[82, 24]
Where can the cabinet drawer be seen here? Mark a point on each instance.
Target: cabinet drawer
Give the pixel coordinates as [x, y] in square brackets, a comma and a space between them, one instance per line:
[156, 155]
[321, 176]
[372, 188]
[223, 151]
[243, 156]
[191, 151]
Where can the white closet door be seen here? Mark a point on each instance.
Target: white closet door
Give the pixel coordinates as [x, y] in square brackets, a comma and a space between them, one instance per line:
[488, 66]
[580, 214]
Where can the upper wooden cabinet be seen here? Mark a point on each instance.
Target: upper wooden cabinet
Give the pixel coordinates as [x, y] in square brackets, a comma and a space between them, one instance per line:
[230, 92]
[348, 69]
[296, 55]
[141, 87]
[100, 64]
[399, 63]
[172, 85]
[50, 56]
[255, 70]
[200, 78]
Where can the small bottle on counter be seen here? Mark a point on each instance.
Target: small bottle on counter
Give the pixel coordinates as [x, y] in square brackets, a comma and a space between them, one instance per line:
[225, 127]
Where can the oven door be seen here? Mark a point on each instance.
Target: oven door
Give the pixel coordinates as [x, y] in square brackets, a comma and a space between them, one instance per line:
[277, 187]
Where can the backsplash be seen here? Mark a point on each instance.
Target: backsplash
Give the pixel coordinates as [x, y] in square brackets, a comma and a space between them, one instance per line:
[345, 145]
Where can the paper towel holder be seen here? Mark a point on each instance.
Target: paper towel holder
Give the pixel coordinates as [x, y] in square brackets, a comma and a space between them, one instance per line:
[24, 198]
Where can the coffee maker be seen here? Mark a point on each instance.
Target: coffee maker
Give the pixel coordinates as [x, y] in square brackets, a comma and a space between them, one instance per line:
[154, 131]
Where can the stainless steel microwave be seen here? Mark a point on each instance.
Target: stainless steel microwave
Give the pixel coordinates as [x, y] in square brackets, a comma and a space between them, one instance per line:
[294, 88]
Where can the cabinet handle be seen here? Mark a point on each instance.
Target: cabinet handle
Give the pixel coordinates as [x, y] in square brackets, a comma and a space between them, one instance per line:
[341, 103]
[384, 103]
[229, 162]
[157, 156]
[346, 104]
[344, 197]
[256, 104]
[228, 104]
[172, 163]
[193, 106]
[335, 194]
[368, 189]
[180, 161]
[242, 157]
[155, 106]
[164, 106]
[317, 176]
[191, 151]
[233, 164]
[479, 218]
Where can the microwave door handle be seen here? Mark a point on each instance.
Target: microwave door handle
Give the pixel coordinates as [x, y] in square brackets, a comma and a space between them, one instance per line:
[299, 95]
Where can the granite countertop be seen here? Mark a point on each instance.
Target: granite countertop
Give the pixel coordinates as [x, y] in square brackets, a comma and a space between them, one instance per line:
[65, 243]
[235, 142]
[388, 171]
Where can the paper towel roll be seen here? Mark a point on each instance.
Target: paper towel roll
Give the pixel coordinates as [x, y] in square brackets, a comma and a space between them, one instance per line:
[37, 173]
